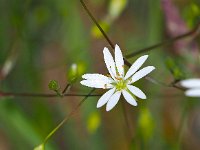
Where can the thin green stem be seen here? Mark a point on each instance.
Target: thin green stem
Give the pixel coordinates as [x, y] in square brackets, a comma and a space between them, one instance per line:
[67, 88]
[67, 117]
[42, 95]
[173, 84]
[101, 29]
[193, 32]
[97, 24]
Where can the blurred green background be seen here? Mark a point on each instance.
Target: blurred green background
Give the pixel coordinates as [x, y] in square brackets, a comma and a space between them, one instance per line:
[41, 39]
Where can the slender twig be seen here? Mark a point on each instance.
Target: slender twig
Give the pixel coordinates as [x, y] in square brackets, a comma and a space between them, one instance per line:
[67, 117]
[177, 87]
[67, 87]
[42, 95]
[194, 32]
[101, 29]
[97, 24]
[172, 84]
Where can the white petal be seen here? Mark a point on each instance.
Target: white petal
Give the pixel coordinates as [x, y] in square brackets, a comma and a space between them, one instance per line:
[119, 61]
[96, 84]
[97, 77]
[136, 91]
[110, 64]
[135, 66]
[129, 98]
[105, 97]
[113, 101]
[191, 83]
[141, 73]
[193, 93]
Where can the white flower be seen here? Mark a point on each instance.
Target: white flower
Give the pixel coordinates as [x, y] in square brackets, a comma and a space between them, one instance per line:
[117, 81]
[193, 87]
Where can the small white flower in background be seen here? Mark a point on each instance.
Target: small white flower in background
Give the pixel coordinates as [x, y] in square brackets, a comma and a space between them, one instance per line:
[193, 87]
[117, 81]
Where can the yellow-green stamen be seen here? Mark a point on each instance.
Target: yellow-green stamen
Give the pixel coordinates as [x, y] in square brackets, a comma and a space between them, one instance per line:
[120, 85]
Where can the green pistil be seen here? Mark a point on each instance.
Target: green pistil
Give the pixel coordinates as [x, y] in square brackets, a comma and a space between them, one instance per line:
[121, 84]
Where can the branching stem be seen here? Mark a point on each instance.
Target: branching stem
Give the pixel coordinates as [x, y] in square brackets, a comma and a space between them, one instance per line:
[67, 117]
[42, 95]
[194, 32]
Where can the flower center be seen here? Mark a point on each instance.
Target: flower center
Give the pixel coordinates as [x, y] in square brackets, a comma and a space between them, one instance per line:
[120, 85]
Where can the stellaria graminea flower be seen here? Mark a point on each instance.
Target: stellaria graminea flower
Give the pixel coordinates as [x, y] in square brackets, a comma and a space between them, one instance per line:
[193, 87]
[118, 82]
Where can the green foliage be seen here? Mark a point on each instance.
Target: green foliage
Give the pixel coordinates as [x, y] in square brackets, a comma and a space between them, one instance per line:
[72, 73]
[53, 85]
[116, 7]
[95, 30]
[40, 147]
[192, 14]
[174, 68]
[93, 122]
[75, 71]
[146, 124]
